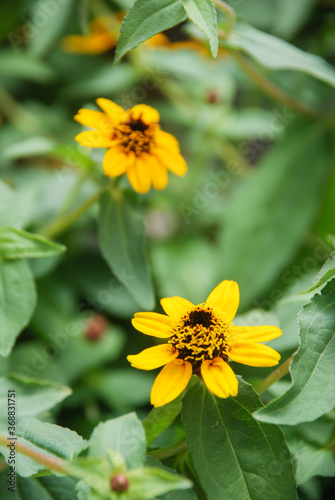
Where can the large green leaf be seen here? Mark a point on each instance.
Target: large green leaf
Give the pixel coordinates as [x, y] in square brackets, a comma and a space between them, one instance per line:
[160, 419]
[276, 54]
[47, 439]
[326, 274]
[19, 244]
[20, 65]
[313, 378]
[121, 236]
[312, 460]
[235, 456]
[33, 396]
[268, 216]
[181, 495]
[17, 301]
[124, 435]
[203, 14]
[146, 19]
[39, 488]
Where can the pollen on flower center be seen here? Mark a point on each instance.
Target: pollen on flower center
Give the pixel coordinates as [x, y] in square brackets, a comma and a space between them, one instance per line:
[135, 135]
[201, 334]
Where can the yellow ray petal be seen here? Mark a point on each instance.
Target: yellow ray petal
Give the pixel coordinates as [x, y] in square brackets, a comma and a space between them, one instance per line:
[253, 354]
[158, 172]
[173, 162]
[146, 113]
[170, 382]
[226, 297]
[219, 378]
[256, 333]
[175, 307]
[93, 139]
[151, 323]
[154, 357]
[113, 110]
[167, 141]
[94, 119]
[139, 176]
[116, 161]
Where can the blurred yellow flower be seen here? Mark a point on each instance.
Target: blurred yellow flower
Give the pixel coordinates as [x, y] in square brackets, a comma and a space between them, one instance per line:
[102, 36]
[201, 339]
[136, 144]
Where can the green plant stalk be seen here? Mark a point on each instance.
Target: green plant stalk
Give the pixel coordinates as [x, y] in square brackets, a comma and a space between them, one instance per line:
[230, 13]
[276, 375]
[52, 463]
[169, 451]
[61, 224]
[272, 90]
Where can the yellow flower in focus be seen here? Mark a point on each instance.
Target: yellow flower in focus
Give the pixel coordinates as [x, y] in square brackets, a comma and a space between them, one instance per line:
[136, 144]
[102, 36]
[201, 340]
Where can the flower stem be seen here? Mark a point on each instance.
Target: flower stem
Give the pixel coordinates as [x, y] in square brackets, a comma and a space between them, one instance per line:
[277, 374]
[274, 91]
[230, 13]
[61, 224]
[52, 463]
[169, 451]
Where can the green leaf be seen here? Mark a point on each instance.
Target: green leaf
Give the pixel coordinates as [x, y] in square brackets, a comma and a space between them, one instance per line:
[311, 460]
[203, 14]
[121, 236]
[47, 439]
[10, 14]
[276, 54]
[274, 197]
[234, 455]
[39, 488]
[149, 482]
[327, 273]
[8, 209]
[160, 419]
[56, 17]
[17, 301]
[313, 378]
[33, 396]
[146, 19]
[33, 146]
[19, 244]
[20, 65]
[181, 495]
[124, 435]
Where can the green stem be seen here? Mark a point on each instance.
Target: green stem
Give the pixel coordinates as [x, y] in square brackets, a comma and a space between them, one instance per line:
[51, 463]
[22, 119]
[230, 13]
[282, 370]
[272, 90]
[61, 224]
[169, 451]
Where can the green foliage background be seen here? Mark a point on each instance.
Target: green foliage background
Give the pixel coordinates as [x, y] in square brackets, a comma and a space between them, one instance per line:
[256, 126]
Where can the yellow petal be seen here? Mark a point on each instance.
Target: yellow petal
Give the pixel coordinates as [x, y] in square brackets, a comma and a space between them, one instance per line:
[146, 113]
[94, 43]
[94, 119]
[253, 354]
[116, 161]
[175, 307]
[113, 110]
[151, 323]
[173, 162]
[170, 382]
[219, 378]
[139, 176]
[93, 139]
[158, 173]
[226, 297]
[154, 357]
[256, 333]
[167, 141]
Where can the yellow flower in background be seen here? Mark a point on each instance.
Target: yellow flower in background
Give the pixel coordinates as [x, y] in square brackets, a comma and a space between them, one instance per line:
[102, 36]
[201, 340]
[136, 144]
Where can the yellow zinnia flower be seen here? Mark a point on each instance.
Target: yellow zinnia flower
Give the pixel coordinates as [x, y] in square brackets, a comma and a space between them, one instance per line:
[201, 340]
[102, 36]
[136, 144]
